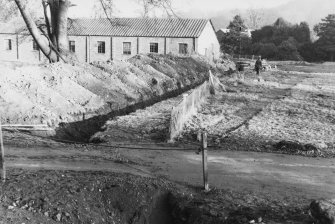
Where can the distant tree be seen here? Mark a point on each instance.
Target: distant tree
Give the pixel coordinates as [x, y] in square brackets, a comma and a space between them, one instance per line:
[311, 52]
[254, 18]
[263, 35]
[280, 22]
[104, 8]
[282, 31]
[301, 32]
[326, 33]
[266, 50]
[233, 41]
[237, 24]
[7, 10]
[151, 5]
[285, 39]
[288, 50]
[230, 43]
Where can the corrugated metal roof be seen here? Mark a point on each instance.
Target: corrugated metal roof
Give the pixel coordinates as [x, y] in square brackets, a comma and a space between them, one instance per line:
[148, 27]
[131, 27]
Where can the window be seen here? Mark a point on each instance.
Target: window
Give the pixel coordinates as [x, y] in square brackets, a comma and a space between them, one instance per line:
[126, 48]
[72, 46]
[183, 49]
[101, 47]
[8, 44]
[153, 47]
[35, 46]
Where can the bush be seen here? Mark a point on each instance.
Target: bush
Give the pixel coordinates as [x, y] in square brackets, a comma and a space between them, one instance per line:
[288, 50]
[267, 50]
[312, 53]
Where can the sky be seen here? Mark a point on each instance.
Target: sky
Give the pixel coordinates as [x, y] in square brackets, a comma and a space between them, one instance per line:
[205, 8]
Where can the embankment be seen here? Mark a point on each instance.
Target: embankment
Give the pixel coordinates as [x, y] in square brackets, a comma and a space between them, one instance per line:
[75, 96]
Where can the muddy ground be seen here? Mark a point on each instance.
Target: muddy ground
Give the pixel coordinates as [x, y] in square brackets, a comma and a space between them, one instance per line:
[51, 182]
[43, 196]
[126, 179]
[286, 111]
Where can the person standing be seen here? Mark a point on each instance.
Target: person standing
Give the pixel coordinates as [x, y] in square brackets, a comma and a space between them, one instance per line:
[258, 67]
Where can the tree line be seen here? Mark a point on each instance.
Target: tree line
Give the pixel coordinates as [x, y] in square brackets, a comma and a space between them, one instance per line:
[282, 40]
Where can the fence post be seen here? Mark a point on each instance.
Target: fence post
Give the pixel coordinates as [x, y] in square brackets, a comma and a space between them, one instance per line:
[204, 161]
[211, 83]
[193, 102]
[185, 95]
[2, 158]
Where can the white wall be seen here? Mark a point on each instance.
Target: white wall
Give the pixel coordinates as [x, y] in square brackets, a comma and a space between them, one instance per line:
[87, 47]
[208, 43]
[22, 49]
[118, 47]
[144, 43]
[80, 43]
[173, 45]
[93, 49]
[8, 55]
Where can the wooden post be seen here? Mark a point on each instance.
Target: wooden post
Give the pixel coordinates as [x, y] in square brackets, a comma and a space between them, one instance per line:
[86, 49]
[165, 51]
[185, 95]
[204, 161]
[17, 47]
[111, 48]
[2, 158]
[138, 46]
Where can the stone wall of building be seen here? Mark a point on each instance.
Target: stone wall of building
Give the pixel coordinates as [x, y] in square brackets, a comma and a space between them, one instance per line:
[86, 47]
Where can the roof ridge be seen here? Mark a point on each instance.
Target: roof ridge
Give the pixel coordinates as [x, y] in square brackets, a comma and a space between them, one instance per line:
[139, 18]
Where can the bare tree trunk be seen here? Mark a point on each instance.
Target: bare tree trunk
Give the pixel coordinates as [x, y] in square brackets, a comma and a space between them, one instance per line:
[53, 6]
[62, 14]
[42, 42]
[47, 17]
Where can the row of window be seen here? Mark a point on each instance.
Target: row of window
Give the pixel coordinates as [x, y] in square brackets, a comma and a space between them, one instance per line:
[127, 47]
[102, 47]
[9, 45]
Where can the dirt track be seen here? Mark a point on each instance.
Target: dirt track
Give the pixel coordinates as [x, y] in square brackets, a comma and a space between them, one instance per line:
[280, 175]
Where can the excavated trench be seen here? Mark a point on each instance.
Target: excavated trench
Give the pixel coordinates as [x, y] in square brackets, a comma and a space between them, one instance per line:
[161, 211]
[82, 131]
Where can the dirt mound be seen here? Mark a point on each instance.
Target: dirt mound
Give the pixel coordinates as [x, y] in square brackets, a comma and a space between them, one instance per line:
[55, 93]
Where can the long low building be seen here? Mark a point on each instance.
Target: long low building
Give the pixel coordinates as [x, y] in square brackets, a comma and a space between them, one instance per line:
[120, 38]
